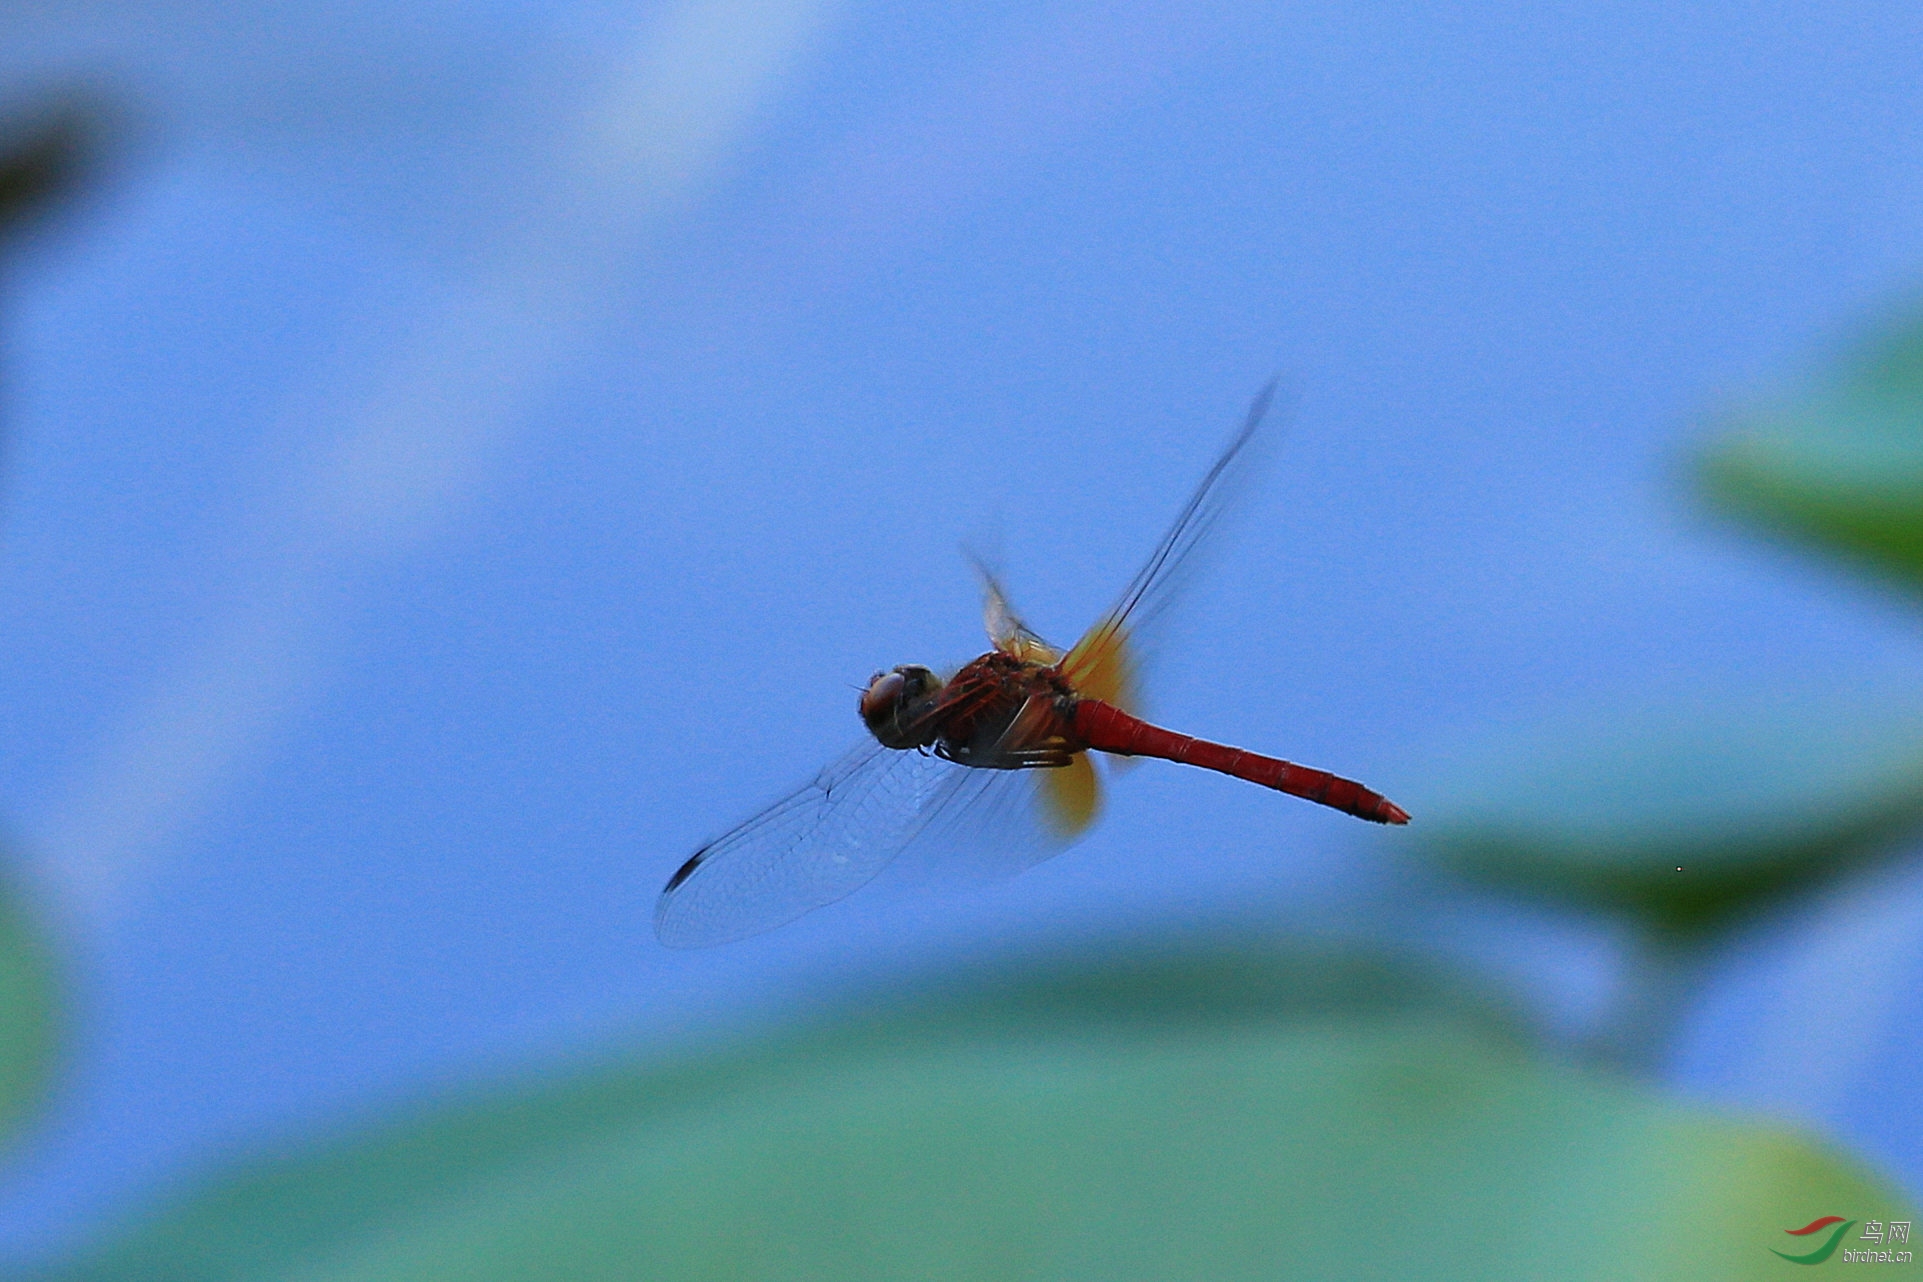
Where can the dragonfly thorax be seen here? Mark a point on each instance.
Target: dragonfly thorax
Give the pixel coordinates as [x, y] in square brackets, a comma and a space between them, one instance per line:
[895, 704]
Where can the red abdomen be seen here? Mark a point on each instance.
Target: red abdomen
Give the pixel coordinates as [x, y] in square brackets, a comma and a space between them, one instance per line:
[1109, 729]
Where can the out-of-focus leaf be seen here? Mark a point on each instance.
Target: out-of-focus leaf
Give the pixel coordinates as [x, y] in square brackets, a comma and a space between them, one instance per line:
[43, 153]
[1685, 814]
[28, 1023]
[1226, 1117]
[1843, 466]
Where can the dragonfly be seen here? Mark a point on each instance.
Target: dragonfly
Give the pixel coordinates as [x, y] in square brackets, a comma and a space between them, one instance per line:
[1011, 732]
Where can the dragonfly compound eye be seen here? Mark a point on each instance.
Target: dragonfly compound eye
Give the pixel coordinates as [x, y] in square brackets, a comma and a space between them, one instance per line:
[888, 705]
[881, 697]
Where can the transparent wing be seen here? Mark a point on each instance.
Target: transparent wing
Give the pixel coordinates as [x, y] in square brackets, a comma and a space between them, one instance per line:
[1106, 663]
[825, 840]
[1006, 631]
[835, 834]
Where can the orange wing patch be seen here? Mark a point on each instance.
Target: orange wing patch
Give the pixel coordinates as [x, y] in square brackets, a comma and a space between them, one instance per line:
[1071, 797]
[1102, 666]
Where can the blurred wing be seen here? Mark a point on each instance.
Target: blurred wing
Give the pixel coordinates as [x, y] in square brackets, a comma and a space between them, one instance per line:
[820, 843]
[1067, 797]
[1103, 665]
[1071, 798]
[1006, 631]
[1106, 663]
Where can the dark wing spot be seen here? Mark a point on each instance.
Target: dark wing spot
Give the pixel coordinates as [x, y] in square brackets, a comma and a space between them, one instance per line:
[685, 871]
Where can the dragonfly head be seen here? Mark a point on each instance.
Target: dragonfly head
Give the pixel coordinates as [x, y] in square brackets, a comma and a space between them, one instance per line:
[891, 705]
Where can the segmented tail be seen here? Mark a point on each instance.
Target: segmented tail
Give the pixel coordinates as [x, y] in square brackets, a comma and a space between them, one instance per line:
[1109, 729]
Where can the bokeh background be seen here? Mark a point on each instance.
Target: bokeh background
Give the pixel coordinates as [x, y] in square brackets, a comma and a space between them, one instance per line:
[459, 457]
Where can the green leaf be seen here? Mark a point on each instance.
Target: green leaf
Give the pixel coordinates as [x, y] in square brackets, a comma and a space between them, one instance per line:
[1218, 1117]
[1843, 466]
[1687, 813]
[28, 1022]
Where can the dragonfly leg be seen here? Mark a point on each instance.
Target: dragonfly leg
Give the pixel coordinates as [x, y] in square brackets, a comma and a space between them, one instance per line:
[1046, 758]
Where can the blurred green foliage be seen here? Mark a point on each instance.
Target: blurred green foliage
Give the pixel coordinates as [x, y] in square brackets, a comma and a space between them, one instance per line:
[1683, 816]
[29, 1026]
[1843, 466]
[46, 150]
[1686, 820]
[1689, 818]
[1155, 1112]
[41, 154]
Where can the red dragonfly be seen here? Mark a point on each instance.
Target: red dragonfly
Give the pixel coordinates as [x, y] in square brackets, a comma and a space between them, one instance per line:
[1024, 711]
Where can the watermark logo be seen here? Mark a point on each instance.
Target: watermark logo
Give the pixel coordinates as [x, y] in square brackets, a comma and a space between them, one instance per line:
[1832, 1228]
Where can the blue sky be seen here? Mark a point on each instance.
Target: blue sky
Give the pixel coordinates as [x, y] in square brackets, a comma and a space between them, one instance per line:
[462, 459]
